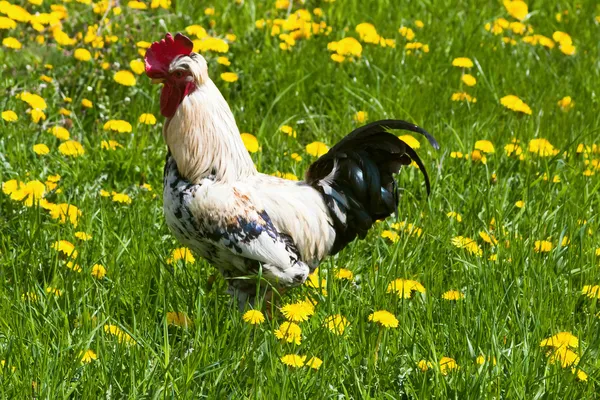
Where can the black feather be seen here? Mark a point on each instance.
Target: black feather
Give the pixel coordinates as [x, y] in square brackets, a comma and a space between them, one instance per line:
[356, 177]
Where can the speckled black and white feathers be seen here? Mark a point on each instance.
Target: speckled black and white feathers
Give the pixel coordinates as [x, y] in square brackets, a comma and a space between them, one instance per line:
[356, 177]
[225, 224]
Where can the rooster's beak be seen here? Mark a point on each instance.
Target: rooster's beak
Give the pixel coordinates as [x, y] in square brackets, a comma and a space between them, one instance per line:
[157, 80]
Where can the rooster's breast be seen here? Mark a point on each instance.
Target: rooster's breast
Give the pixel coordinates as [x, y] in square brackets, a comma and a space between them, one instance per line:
[179, 196]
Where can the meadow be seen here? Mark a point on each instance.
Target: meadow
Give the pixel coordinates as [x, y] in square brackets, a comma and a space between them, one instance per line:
[487, 288]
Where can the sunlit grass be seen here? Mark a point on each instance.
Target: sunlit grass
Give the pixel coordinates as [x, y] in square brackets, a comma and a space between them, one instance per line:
[516, 268]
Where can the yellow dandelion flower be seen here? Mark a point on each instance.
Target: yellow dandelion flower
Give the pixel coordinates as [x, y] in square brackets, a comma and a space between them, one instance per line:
[88, 356]
[54, 291]
[565, 357]
[137, 66]
[223, 61]
[317, 149]
[110, 145]
[517, 9]
[125, 78]
[29, 296]
[293, 360]
[98, 271]
[289, 332]
[411, 141]
[462, 96]
[391, 235]
[29, 193]
[65, 247]
[11, 43]
[314, 363]
[404, 288]
[209, 11]
[348, 46]
[40, 149]
[35, 101]
[37, 115]
[343, 273]
[468, 80]
[562, 38]
[250, 142]
[62, 38]
[367, 33]
[82, 55]
[208, 43]
[462, 62]
[46, 78]
[83, 236]
[65, 212]
[7, 23]
[360, 116]
[543, 246]
[566, 103]
[336, 323]
[148, 119]
[453, 295]
[117, 125]
[288, 130]
[517, 27]
[87, 103]
[296, 157]
[488, 238]
[60, 133]
[485, 146]
[298, 312]
[467, 243]
[591, 291]
[71, 148]
[424, 365]
[9, 116]
[408, 33]
[253, 317]
[122, 336]
[481, 359]
[455, 215]
[516, 104]
[137, 5]
[181, 253]
[384, 318]
[447, 365]
[179, 319]
[542, 147]
[513, 149]
[229, 76]
[561, 339]
[121, 198]
[315, 282]
[568, 49]
[145, 45]
[582, 376]
[520, 204]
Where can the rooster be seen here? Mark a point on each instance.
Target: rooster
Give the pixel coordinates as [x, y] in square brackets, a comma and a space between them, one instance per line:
[248, 224]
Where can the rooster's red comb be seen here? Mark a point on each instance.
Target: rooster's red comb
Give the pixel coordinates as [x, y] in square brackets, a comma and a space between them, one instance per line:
[160, 54]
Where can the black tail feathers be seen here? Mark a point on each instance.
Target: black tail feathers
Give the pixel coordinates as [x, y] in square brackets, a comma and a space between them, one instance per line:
[356, 177]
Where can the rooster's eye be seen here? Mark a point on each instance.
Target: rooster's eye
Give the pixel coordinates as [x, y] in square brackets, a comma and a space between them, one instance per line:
[178, 74]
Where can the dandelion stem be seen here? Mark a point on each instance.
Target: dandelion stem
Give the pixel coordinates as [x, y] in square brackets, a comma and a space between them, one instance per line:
[379, 335]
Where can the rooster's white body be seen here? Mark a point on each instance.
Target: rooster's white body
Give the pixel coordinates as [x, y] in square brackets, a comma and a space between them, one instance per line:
[227, 212]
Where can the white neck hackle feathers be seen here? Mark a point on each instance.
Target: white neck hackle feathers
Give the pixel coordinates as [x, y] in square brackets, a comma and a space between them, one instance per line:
[202, 135]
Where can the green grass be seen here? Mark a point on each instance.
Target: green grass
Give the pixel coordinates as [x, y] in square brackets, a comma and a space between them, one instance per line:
[510, 304]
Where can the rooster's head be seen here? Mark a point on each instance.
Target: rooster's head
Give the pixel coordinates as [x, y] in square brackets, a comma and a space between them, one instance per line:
[172, 62]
